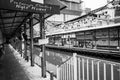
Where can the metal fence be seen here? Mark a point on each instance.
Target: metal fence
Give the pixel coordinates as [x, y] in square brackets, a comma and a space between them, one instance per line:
[87, 68]
[80, 67]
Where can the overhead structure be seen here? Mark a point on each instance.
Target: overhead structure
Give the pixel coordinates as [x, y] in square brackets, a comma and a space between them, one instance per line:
[14, 13]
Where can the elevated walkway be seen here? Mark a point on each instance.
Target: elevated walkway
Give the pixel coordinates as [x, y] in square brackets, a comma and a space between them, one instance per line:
[14, 67]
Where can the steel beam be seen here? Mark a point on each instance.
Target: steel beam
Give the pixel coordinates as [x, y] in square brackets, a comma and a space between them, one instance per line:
[42, 35]
[25, 45]
[31, 41]
[23, 22]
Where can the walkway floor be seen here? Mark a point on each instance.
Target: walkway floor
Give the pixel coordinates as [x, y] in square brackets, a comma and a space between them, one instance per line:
[14, 67]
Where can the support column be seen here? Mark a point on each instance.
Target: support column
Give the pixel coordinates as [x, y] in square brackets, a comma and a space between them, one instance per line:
[31, 42]
[25, 44]
[21, 44]
[42, 35]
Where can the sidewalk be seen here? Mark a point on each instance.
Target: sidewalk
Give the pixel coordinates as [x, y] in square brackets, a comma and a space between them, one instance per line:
[33, 73]
[10, 69]
[14, 67]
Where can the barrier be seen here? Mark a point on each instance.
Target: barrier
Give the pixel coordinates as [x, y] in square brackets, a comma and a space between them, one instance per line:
[87, 68]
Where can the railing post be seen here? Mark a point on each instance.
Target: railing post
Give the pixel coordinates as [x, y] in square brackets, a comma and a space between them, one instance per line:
[69, 67]
[79, 67]
[112, 72]
[98, 71]
[75, 65]
[92, 70]
[58, 73]
[104, 71]
[83, 69]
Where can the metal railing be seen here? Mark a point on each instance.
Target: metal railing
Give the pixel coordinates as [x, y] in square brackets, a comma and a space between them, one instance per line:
[66, 70]
[87, 68]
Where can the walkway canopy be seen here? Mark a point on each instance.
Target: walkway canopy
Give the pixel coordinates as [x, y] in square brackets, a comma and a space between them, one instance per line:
[15, 13]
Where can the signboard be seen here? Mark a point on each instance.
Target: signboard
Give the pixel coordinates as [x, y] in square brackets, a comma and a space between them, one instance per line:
[29, 6]
[43, 41]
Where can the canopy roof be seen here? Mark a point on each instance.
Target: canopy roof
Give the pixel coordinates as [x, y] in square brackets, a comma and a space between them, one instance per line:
[12, 18]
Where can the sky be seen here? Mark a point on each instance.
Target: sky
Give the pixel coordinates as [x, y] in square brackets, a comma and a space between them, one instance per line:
[93, 4]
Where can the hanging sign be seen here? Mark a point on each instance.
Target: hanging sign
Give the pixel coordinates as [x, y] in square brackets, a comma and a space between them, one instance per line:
[29, 6]
[43, 41]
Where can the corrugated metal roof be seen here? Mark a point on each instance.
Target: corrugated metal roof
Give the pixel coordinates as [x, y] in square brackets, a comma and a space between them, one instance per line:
[10, 20]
